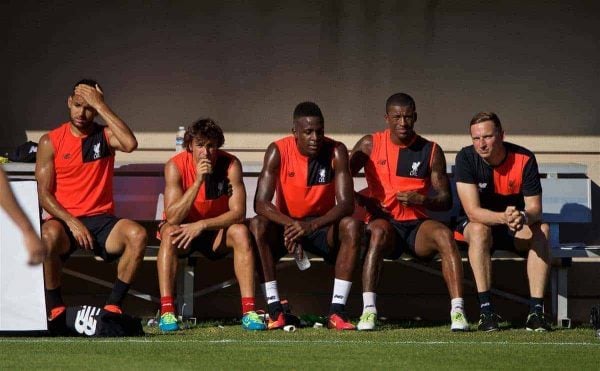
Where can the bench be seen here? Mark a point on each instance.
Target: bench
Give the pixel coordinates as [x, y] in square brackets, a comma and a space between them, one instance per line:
[566, 199]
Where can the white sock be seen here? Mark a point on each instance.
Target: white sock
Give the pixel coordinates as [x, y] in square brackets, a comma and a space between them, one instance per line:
[369, 302]
[457, 304]
[271, 292]
[341, 289]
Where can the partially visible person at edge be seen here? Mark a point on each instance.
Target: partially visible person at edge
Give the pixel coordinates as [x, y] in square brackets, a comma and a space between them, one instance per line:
[499, 187]
[309, 173]
[74, 171]
[35, 248]
[205, 209]
[401, 168]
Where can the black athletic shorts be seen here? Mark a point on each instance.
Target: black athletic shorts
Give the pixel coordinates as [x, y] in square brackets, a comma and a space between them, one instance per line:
[100, 227]
[503, 238]
[203, 244]
[406, 235]
[315, 243]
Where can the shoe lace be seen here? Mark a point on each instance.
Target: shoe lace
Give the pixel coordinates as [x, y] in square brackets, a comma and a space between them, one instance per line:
[368, 317]
[458, 316]
[253, 316]
[168, 318]
[492, 316]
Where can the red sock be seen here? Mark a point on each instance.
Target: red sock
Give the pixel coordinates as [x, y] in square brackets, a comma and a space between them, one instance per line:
[247, 305]
[166, 305]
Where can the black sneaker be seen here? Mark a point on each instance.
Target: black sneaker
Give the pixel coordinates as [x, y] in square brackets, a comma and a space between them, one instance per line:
[488, 322]
[537, 322]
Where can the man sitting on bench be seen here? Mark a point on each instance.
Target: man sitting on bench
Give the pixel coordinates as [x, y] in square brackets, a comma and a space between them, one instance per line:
[499, 187]
[74, 172]
[309, 173]
[202, 215]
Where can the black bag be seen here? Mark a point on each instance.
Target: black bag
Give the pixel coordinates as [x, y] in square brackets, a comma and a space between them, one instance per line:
[87, 320]
[26, 152]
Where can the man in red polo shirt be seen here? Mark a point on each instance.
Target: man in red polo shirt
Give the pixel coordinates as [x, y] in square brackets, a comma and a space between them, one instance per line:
[74, 171]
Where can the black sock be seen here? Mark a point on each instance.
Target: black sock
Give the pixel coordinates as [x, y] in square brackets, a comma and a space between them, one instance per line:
[536, 305]
[485, 302]
[337, 308]
[54, 298]
[274, 309]
[118, 293]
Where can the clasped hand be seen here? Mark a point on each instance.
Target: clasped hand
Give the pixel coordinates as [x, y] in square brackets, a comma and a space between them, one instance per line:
[294, 231]
[513, 219]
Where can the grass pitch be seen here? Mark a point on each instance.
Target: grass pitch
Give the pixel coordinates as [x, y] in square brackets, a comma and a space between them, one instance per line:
[394, 346]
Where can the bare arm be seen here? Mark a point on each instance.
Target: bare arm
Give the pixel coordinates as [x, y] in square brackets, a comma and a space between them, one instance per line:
[119, 135]
[358, 159]
[360, 154]
[265, 189]
[442, 199]
[177, 202]
[469, 198]
[533, 209]
[35, 248]
[45, 176]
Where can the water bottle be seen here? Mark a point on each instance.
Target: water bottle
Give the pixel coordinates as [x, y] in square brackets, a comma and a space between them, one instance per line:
[302, 262]
[179, 139]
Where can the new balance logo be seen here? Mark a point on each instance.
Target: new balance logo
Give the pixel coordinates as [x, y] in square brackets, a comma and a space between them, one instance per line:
[291, 174]
[67, 156]
[85, 322]
[336, 296]
[482, 186]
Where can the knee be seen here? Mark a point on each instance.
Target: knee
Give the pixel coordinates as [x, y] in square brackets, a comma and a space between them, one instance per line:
[351, 229]
[51, 236]
[479, 232]
[258, 225]
[380, 238]
[165, 238]
[239, 236]
[545, 230]
[138, 235]
[444, 238]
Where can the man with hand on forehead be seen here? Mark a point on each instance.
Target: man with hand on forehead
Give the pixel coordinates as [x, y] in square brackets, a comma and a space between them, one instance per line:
[74, 171]
[203, 214]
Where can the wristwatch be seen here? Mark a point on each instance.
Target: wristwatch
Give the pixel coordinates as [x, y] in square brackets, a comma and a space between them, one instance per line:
[524, 215]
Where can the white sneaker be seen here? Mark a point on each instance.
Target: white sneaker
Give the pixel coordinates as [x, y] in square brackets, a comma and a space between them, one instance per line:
[459, 321]
[367, 321]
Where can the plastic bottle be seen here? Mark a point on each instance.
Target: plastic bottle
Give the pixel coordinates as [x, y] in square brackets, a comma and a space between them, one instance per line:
[179, 139]
[302, 262]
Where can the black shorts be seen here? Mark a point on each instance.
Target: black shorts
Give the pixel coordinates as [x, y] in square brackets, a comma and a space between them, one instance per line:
[203, 244]
[315, 243]
[503, 238]
[100, 227]
[406, 236]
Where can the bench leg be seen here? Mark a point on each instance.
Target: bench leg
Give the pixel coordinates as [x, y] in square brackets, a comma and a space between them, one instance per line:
[185, 286]
[560, 298]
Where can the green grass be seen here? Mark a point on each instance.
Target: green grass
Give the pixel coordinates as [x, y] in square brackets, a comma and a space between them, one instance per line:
[395, 346]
